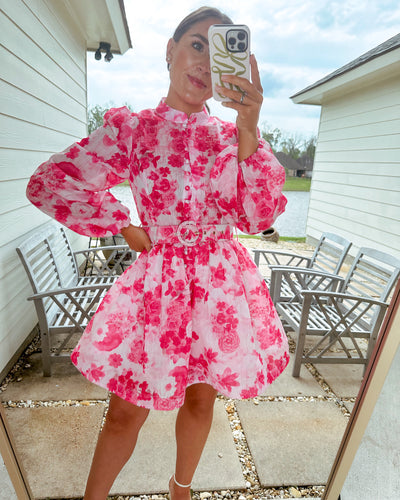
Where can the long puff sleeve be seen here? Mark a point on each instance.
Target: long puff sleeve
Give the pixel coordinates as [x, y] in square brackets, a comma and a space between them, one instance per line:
[249, 193]
[72, 186]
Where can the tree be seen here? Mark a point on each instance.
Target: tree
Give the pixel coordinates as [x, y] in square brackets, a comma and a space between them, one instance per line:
[310, 145]
[294, 145]
[273, 137]
[291, 145]
[95, 115]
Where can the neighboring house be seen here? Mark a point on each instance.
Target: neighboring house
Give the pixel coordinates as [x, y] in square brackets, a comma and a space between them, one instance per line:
[307, 165]
[295, 168]
[355, 189]
[43, 110]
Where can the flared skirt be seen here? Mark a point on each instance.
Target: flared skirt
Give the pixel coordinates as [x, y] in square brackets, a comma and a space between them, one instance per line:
[184, 315]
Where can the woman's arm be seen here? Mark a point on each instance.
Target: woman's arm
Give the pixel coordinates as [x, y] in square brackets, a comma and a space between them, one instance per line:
[72, 186]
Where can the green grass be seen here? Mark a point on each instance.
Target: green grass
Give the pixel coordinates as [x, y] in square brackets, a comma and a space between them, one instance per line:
[297, 184]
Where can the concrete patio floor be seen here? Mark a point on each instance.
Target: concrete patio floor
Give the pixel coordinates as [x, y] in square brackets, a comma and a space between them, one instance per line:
[291, 433]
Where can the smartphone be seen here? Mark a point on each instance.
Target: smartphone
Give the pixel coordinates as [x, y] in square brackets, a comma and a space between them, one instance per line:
[229, 46]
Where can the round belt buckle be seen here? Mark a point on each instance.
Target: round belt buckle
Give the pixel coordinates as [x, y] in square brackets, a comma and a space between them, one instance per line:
[189, 233]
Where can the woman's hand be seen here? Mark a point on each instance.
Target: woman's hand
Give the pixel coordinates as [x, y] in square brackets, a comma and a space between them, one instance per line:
[248, 105]
[137, 238]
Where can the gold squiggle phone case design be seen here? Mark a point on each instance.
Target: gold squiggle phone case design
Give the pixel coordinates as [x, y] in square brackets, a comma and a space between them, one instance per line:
[224, 61]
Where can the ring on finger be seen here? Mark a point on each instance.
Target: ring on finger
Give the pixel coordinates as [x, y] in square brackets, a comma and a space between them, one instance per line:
[244, 94]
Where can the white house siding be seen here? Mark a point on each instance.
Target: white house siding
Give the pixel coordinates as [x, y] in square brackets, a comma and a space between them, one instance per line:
[42, 110]
[356, 177]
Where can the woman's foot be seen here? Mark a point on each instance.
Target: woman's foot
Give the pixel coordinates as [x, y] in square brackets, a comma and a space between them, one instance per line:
[178, 491]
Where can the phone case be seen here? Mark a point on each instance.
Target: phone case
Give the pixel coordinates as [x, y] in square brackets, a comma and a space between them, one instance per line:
[228, 58]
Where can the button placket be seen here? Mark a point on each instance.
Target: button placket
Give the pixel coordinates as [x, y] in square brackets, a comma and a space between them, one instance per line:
[187, 187]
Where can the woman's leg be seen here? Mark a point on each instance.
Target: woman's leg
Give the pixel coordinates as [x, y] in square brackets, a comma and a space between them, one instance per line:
[115, 445]
[193, 424]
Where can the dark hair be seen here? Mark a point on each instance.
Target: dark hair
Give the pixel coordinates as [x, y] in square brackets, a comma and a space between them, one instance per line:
[197, 16]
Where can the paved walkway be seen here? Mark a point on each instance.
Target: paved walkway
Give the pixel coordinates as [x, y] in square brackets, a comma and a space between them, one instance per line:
[279, 445]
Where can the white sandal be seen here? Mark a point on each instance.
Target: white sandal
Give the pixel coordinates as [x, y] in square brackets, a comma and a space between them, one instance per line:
[179, 484]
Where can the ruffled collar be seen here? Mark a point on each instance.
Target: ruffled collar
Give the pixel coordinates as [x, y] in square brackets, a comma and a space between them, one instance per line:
[177, 116]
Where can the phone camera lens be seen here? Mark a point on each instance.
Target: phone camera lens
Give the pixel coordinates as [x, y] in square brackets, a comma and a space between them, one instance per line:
[232, 41]
[241, 46]
[241, 35]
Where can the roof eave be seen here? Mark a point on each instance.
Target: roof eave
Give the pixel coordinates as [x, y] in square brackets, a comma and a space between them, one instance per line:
[120, 24]
[386, 64]
[102, 21]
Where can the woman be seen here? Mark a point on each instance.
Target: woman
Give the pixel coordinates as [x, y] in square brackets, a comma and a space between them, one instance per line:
[191, 316]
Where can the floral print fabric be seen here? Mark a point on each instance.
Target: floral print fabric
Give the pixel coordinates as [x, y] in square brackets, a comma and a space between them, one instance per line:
[180, 314]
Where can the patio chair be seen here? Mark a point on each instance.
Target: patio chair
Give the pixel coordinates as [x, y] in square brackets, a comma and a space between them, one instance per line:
[64, 300]
[340, 327]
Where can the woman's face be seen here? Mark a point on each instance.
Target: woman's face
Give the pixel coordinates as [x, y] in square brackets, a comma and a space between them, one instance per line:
[190, 78]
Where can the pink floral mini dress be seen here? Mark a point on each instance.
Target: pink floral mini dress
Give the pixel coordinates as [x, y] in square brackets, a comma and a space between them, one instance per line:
[195, 308]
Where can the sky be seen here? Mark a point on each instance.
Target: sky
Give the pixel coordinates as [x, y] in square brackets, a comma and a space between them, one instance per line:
[296, 42]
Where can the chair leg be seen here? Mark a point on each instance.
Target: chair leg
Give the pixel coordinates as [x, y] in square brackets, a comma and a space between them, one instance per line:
[301, 340]
[46, 359]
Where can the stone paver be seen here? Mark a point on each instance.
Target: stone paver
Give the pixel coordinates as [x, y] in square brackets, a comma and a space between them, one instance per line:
[56, 446]
[287, 385]
[344, 380]
[153, 460]
[292, 443]
[65, 383]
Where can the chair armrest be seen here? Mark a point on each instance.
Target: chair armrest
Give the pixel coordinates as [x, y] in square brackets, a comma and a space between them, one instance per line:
[296, 280]
[302, 270]
[106, 261]
[275, 257]
[68, 290]
[100, 249]
[317, 294]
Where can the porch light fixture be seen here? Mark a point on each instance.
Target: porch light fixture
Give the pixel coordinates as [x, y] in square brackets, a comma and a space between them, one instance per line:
[106, 47]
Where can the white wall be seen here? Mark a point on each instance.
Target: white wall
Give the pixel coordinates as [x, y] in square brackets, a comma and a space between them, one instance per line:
[42, 110]
[355, 189]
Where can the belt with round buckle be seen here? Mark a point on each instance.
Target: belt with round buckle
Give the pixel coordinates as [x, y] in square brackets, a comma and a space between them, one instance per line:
[189, 233]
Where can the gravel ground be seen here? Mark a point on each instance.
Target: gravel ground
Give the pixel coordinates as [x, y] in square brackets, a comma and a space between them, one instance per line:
[253, 490]
[287, 246]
